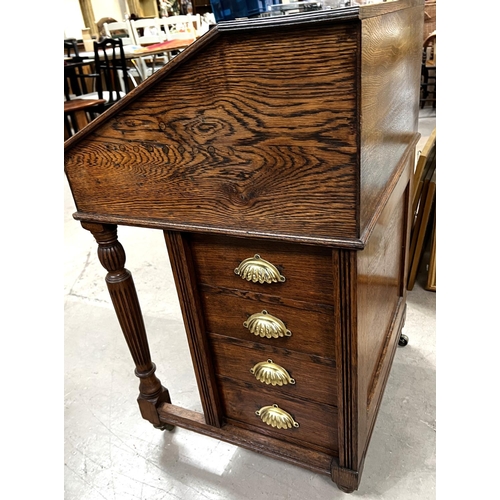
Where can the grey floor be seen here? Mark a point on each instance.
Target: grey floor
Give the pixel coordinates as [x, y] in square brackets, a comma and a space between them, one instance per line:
[111, 453]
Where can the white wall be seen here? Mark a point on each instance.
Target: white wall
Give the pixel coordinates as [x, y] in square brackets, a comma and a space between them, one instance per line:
[108, 8]
[73, 19]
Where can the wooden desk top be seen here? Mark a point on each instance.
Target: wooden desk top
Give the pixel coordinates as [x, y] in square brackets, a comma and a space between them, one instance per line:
[157, 48]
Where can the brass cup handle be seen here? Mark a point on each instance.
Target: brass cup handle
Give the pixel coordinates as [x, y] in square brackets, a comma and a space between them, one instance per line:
[256, 269]
[266, 325]
[276, 417]
[268, 372]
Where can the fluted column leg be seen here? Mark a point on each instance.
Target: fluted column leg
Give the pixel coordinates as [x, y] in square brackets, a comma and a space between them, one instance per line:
[126, 304]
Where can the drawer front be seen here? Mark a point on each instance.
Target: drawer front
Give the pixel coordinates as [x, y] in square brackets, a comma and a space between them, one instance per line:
[299, 272]
[317, 423]
[297, 326]
[298, 375]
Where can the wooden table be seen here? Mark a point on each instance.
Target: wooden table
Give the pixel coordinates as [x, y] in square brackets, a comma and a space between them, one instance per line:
[136, 54]
[77, 109]
[73, 68]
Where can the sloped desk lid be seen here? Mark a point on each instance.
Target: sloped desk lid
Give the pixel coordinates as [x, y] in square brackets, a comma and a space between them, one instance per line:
[250, 131]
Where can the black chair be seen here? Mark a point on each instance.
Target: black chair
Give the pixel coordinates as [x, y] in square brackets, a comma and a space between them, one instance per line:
[71, 47]
[428, 74]
[74, 78]
[110, 79]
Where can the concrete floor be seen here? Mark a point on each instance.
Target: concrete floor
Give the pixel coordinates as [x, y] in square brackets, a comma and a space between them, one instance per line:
[112, 453]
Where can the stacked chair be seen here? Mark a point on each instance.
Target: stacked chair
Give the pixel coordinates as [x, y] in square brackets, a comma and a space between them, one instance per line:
[111, 77]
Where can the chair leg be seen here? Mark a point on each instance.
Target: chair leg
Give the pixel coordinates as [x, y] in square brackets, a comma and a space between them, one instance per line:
[68, 131]
[424, 82]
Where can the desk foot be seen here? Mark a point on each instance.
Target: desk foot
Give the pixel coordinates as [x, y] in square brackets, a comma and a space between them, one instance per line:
[347, 480]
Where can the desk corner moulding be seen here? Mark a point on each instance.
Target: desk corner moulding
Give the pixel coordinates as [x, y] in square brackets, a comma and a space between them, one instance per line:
[281, 178]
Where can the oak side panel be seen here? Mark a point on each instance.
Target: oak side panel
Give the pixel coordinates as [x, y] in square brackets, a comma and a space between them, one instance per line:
[381, 303]
[192, 312]
[390, 82]
[256, 132]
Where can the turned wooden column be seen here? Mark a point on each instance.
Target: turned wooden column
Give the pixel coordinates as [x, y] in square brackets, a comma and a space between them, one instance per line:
[88, 16]
[126, 304]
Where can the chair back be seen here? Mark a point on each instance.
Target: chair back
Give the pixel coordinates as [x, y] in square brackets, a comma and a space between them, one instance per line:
[200, 27]
[179, 27]
[111, 69]
[121, 30]
[147, 31]
[73, 82]
[71, 47]
[429, 50]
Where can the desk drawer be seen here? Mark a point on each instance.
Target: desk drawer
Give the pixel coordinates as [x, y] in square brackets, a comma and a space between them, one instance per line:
[270, 320]
[302, 376]
[301, 272]
[317, 423]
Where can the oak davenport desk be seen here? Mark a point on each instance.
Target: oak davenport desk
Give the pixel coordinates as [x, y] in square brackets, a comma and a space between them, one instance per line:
[276, 155]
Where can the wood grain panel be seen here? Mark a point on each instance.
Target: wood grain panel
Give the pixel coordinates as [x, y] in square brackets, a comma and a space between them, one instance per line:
[345, 275]
[265, 135]
[379, 283]
[180, 260]
[312, 325]
[315, 377]
[390, 83]
[381, 297]
[216, 257]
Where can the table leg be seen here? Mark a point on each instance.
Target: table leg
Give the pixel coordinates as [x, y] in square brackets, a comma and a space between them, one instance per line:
[80, 119]
[141, 66]
[126, 304]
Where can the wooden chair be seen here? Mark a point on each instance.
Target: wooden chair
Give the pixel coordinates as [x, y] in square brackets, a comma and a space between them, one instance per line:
[74, 82]
[120, 29]
[179, 27]
[111, 79]
[200, 27]
[123, 30]
[428, 74]
[111, 67]
[75, 115]
[71, 47]
[148, 32]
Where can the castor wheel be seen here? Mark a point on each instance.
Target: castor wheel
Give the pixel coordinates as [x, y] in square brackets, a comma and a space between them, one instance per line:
[165, 427]
[345, 489]
[403, 340]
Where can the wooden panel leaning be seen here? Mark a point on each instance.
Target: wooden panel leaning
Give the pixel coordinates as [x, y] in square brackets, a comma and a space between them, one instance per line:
[424, 195]
[282, 179]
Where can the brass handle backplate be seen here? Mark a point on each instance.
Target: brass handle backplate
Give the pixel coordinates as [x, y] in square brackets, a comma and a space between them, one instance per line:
[276, 417]
[271, 373]
[266, 325]
[257, 269]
